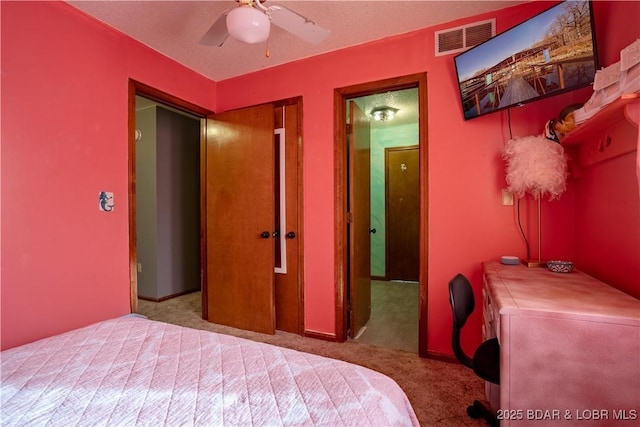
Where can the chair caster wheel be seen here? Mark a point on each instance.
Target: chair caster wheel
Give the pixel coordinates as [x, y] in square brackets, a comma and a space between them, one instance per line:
[473, 411]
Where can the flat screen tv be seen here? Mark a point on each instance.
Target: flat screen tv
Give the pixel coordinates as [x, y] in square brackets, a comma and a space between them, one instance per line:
[551, 53]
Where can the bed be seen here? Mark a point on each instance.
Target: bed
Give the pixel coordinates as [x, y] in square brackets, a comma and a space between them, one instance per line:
[135, 371]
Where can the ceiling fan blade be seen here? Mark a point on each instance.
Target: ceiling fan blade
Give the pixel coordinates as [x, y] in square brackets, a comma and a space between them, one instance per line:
[297, 24]
[217, 34]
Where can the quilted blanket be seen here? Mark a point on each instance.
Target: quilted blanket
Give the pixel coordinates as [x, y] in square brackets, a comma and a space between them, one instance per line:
[133, 371]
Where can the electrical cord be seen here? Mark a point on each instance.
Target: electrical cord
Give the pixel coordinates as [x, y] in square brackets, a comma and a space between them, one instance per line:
[522, 232]
[526, 241]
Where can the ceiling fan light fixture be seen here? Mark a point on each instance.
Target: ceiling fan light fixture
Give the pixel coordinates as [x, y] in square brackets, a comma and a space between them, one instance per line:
[248, 25]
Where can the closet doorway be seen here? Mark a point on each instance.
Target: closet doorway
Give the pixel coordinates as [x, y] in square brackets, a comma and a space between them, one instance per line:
[138, 185]
[405, 147]
[167, 201]
[284, 147]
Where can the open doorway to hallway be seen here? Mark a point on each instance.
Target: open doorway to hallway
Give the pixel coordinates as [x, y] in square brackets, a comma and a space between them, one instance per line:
[394, 218]
[358, 137]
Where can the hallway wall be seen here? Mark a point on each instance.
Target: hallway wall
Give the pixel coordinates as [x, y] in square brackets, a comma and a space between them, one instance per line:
[381, 138]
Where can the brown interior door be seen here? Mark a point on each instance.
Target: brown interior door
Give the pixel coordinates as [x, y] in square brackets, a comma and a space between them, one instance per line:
[287, 278]
[360, 215]
[240, 210]
[402, 213]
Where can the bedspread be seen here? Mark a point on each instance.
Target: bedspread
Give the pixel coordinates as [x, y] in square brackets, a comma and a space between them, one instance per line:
[134, 371]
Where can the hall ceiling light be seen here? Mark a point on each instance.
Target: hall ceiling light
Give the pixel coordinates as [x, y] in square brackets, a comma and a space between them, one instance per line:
[383, 113]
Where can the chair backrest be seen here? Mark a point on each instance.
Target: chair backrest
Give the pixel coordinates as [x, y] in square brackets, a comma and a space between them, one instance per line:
[461, 299]
[462, 304]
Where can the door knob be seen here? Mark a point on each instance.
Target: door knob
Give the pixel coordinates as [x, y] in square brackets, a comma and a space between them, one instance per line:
[291, 235]
[372, 231]
[265, 234]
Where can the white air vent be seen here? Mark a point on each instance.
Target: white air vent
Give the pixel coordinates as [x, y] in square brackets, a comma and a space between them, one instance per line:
[458, 39]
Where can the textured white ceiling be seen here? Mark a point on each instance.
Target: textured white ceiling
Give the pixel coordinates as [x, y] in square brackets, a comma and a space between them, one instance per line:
[174, 28]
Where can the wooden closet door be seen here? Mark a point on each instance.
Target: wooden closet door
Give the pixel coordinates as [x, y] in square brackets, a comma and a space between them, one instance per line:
[240, 210]
[288, 289]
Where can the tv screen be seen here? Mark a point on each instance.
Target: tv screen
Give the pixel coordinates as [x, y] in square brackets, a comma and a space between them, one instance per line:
[551, 53]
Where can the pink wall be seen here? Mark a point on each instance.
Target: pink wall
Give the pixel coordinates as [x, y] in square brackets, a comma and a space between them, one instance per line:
[64, 139]
[467, 223]
[607, 195]
[607, 214]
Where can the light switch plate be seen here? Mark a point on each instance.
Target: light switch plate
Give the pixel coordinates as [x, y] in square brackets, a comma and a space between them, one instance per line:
[105, 201]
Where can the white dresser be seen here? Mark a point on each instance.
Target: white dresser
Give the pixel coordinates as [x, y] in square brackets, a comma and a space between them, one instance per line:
[569, 348]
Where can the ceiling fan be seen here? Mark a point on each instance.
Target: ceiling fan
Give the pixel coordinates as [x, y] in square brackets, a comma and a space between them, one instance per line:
[250, 22]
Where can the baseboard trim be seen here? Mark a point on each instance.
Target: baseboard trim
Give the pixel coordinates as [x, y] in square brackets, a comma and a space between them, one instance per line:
[320, 336]
[444, 357]
[179, 294]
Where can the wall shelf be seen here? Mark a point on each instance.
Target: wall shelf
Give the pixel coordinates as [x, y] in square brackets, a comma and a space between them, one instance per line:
[627, 107]
[610, 133]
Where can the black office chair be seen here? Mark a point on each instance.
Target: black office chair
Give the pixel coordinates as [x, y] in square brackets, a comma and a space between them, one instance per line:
[486, 359]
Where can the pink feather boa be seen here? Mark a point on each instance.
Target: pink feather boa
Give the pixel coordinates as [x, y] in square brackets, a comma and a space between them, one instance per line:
[535, 165]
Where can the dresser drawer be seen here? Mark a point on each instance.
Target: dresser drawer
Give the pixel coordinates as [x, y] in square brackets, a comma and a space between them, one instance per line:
[491, 320]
